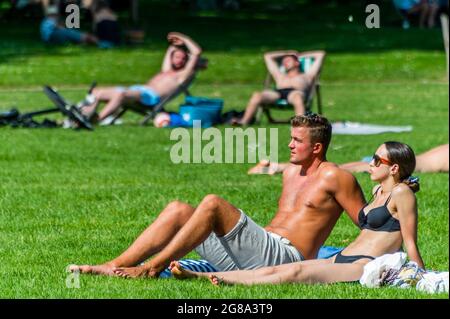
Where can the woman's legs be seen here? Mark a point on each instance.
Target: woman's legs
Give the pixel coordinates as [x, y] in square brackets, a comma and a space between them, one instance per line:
[248, 276]
[298, 273]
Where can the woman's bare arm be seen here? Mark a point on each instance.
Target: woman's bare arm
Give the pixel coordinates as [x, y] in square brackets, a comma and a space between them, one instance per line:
[406, 204]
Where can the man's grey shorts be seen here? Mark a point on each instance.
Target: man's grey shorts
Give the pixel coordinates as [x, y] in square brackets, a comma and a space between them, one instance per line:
[247, 246]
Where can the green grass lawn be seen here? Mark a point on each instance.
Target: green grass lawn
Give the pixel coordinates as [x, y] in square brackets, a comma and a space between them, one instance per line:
[82, 197]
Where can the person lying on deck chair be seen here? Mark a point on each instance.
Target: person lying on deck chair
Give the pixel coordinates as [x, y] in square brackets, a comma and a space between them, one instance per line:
[178, 64]
[291, 85]
[314, 194]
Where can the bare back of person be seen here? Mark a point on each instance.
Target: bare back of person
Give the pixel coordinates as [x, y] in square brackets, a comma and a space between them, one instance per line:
[307, 211]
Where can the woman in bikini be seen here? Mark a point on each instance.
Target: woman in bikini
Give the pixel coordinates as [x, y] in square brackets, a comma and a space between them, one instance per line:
[387, 222]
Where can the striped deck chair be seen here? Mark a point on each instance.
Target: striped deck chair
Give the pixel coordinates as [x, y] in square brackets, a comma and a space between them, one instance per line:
[282, 104]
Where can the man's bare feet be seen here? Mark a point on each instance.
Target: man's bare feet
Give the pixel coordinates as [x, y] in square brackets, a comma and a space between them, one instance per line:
[179, 272]
[136, 272]
[105, 269]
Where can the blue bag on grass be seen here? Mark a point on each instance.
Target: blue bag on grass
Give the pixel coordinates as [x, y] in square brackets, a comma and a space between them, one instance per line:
[203, 109]
[176, 120]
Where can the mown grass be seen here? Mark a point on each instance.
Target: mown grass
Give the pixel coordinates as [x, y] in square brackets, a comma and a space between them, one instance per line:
[82, 197]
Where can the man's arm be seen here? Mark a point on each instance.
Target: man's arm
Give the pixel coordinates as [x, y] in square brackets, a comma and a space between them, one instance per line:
[166, 65]
[348, 193]
[194, 51]
[317, 64]
[271, 61]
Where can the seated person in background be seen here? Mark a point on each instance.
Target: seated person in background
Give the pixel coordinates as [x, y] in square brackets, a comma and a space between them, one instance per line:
[426, 9]
[179, 63]
[105, 23]
[53, 32]
[432, 161]
[291, 85]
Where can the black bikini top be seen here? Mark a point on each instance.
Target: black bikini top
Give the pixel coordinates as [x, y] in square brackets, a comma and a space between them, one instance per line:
[378, 218]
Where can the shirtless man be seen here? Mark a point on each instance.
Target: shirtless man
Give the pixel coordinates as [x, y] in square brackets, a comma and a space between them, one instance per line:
[292, 85]
[314, 194]
[178, 65]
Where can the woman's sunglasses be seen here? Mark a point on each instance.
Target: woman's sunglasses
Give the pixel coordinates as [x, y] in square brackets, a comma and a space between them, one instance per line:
[377, 160]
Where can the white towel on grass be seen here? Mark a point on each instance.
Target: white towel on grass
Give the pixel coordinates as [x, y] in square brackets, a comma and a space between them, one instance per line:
[354, 128]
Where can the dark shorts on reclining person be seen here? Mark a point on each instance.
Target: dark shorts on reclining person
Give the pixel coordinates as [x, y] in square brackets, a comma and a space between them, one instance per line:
[284, 93]
[247, 246]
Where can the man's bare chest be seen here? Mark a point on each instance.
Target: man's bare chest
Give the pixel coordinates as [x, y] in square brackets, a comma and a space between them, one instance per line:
[298, 192]
[298, 81]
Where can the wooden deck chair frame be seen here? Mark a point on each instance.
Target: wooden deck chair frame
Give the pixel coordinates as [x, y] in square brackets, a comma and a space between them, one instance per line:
[314, 91]
[149, 113]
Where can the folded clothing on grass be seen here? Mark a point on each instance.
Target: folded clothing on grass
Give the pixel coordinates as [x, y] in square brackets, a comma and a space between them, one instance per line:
[393, 270]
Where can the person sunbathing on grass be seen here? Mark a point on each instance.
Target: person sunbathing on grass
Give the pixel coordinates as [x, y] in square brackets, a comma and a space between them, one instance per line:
[432, 161]
[314, 194]
[386, 222]
[291, 85]
[178, 64]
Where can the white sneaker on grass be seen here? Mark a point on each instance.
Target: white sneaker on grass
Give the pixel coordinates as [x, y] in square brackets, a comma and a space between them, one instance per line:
[109, 121]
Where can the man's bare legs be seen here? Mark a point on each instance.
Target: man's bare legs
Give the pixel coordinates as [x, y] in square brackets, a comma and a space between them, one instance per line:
[214, 214]
[114, 104]
[114, 97]
[428, 14]
[296, 99]
[309, 272]
[150, 242]
[256, 100]
[265, 97]
[432, 13]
